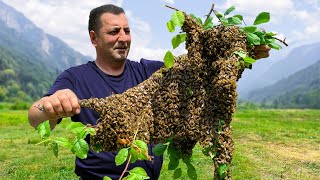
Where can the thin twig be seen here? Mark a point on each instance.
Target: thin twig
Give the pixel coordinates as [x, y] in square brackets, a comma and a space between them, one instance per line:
[209, 14]
[283, 41]
[171, 8]
[128, 161]
[127, 165]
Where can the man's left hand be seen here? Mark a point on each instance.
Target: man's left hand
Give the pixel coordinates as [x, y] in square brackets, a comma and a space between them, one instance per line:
[261, 51]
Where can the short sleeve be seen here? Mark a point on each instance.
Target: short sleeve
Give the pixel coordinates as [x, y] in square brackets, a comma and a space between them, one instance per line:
[63, 81]
[151, 66]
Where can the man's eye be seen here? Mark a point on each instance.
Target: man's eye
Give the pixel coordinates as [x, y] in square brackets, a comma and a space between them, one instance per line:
[127, 31]
[113, 32]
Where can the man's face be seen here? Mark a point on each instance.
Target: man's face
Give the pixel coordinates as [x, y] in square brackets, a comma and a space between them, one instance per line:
[113, 38]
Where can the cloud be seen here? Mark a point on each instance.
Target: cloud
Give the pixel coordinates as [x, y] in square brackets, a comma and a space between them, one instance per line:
[65, 19]
[168, 1]
[297, 20]
[68, 21]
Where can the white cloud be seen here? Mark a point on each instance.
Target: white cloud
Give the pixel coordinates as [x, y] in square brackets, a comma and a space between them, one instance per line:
[65, 19]
[311, 26]
[168, 1]
[296, 19]
[70, 24]
[254, 7]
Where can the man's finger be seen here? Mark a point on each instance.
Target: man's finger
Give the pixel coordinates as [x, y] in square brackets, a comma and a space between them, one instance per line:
[74, 102]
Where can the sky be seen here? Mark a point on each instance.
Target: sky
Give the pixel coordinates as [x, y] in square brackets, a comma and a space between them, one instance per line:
[296, 20]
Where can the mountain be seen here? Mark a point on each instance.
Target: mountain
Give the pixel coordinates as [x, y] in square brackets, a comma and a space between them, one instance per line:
[298, 59]
[21, 35]
[30, 59]
[299, 90]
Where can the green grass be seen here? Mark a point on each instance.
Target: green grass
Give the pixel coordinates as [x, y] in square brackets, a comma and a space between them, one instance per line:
[269, 144]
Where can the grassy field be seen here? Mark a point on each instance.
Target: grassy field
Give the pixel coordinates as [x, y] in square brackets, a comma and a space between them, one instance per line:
[269, 144]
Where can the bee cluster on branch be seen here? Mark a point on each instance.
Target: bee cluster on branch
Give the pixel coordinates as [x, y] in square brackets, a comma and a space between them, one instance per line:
[192, 102]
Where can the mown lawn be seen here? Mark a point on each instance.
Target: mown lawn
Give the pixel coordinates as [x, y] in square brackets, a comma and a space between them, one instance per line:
[269, 144]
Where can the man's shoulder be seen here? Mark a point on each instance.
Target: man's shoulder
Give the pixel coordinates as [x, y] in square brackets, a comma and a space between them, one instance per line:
[146, 63]
[81, 67]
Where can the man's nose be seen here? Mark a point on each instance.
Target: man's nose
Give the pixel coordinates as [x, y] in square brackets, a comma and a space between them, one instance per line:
[123, 36]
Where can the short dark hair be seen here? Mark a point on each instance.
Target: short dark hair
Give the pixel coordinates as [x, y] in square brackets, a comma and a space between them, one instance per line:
[95, 14]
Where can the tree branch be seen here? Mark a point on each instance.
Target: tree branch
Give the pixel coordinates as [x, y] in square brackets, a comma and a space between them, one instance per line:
[211, 10]
[125, 169]
[171, 8]
[282, 41]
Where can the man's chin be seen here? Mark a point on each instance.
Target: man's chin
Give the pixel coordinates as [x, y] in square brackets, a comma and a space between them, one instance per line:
[121, 57]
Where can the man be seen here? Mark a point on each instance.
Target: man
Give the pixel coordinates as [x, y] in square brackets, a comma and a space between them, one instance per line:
[110, 73]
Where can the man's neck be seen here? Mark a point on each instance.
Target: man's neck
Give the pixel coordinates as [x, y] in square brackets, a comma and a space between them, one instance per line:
[113, 69]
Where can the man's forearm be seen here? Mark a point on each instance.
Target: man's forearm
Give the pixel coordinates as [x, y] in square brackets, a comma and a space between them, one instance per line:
[37, 116]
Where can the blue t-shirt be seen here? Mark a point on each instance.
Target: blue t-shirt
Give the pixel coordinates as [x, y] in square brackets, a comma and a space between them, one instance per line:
[88, 81]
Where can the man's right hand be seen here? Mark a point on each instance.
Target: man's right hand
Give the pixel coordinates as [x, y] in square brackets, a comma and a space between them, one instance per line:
[61, 104]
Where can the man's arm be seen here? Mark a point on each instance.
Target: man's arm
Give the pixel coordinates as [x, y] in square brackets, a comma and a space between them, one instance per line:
[61, 104]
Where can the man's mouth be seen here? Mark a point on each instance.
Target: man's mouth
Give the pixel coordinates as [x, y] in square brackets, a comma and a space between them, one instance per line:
[122, 48]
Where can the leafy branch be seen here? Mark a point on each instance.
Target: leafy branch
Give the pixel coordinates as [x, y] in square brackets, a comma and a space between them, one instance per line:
[76, 145]
[174, 158]
[255, 36]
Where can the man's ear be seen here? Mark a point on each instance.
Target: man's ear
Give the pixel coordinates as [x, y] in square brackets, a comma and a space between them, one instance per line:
[93, 38]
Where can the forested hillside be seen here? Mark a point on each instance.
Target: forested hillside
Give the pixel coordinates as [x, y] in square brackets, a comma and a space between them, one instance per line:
[300, 90]
[21, 78]
[30, 59]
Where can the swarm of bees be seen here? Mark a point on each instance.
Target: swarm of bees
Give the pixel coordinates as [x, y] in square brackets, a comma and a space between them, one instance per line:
[192, 102]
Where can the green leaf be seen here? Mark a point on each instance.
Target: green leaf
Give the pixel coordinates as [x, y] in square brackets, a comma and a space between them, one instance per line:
[177, 173]
[253, 39]
[173, 163]
[208, 23]
[208, 26]
[137, 173]
[229, 10]
[134, 155]
[55, 148]
[177, 18]
[159, 149]
[224, 21]
[196, 18]
[263, 17]
[249, 60]
[142, 145]
[186, 159]
[169, 140]
[80, 148]
[274, 46]
[106, 178]
[222, 171]
[81, 133]
[169, 59]
[174, 157]
[241, 54]
[63, 142]
[142, 149]
[219, 15]
[250, 29]
[191, 171]
[271, 34]
[44, 129]
[177, 40]
[234, 21]
[97, 147]
[122, 156]
[190, 92]
[171, 26]
[239, 16]
[269, 40]
[91, 131]
[76, 127]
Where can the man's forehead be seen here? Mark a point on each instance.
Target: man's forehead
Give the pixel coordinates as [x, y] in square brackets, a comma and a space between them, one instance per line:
[113, 20]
